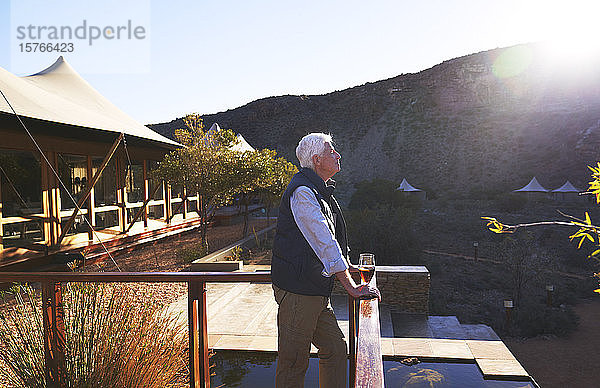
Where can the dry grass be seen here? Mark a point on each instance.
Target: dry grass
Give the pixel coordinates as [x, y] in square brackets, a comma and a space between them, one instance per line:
[116, 335]
[111, 340]
[162, 254]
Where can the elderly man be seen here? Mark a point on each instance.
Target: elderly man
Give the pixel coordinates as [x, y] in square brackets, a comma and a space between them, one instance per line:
[310, 248]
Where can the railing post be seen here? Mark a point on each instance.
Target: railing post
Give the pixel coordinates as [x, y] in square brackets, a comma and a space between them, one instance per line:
[369, 362]
[198, 335]
[352, 340]
[54, 334]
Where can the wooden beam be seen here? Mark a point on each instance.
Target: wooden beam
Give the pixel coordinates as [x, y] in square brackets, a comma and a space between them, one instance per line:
[45, 199]
[142, 209]
[1, 228]
[198, 336]
[121, 194]
[91, 206]
[168, 206]
[88, 189]
[54, 334]
[185, 206]
[135, 277]
[351, 340]
[146, 192]
[65, 145]
[55, 202]
[183, 200]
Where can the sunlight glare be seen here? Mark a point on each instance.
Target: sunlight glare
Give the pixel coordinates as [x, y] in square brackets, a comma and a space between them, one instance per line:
[572, 44]
[512, 62]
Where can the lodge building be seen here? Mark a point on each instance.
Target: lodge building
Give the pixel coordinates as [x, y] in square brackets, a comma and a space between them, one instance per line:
[54, 124]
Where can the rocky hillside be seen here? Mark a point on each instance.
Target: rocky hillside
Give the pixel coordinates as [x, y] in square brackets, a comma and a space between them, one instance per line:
[469, 127]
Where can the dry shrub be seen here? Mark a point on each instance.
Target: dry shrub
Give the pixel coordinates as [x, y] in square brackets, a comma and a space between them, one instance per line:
[113, 339]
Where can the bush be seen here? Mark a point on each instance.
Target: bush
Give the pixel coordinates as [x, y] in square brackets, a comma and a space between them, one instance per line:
[380, 192]
[537, 319]
[191, 253]
[384, 231]
[512, 203]
[112, 339]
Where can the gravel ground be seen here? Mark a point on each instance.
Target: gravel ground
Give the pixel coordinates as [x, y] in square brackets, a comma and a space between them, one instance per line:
[161, 256]
[571, 361]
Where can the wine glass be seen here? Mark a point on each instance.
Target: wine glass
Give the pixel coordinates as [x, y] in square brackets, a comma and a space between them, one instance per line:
[366, 267]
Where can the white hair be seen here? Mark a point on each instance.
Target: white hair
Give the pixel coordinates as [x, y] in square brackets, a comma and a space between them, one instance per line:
[310, 145]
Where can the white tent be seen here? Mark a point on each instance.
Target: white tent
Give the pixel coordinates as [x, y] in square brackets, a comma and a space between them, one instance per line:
[567, 188]
[405, 186]
[241, 144]
[409, 190]
[566, 192]
[58, 94]
[532, 186]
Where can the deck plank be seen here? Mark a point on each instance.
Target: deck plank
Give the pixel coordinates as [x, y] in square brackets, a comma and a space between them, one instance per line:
[243, 316]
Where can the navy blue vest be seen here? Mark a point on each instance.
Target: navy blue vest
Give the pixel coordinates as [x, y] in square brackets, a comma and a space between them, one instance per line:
[295, 267]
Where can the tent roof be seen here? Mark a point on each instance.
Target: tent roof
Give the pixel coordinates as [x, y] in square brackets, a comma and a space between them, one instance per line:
[533, 185]
[405, 186]
[241, 145]
[58, 94]
[567, 188]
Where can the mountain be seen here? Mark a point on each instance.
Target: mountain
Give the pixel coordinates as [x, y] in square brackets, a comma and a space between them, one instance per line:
[472, 126]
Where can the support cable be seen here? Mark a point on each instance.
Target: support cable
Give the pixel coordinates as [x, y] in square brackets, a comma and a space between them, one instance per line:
[129, 171]
[59, 180]
[14, 188]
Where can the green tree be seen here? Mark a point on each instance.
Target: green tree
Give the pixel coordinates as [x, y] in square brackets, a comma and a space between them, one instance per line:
[253, 172]
[261, 174]
[525, 262]
[280, 175]
[204, 165]
[207, 165]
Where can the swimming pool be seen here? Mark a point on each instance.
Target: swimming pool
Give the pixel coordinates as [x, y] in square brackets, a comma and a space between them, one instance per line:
[253, 370]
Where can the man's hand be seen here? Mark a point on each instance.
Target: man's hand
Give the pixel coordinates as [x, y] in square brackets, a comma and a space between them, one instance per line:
[363, 291]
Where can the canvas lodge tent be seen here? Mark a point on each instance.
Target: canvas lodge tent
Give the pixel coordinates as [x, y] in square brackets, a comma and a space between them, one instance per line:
[533, 190]
[102, 155]
[408, 189]
[241, 144]
[532, 187]
[566, 192]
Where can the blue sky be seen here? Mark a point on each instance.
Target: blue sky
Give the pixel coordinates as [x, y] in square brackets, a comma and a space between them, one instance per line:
[209, 56]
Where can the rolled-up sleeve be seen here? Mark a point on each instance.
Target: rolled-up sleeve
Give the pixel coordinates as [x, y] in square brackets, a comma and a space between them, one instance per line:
[314, 227]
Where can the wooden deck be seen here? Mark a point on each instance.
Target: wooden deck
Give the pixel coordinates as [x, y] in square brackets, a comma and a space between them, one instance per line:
[22, 259]
[244, 317]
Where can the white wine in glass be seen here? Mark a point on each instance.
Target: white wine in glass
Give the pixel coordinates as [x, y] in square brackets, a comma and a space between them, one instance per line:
[366, 267]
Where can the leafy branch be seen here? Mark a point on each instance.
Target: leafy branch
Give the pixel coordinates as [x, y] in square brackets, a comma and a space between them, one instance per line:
[587, 230]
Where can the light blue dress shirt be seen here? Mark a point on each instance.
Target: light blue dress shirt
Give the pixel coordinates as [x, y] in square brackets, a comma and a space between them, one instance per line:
[317, 228]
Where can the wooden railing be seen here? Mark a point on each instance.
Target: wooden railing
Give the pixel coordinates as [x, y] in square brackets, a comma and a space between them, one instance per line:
[366, 366]
[366, 363]
[53, 314]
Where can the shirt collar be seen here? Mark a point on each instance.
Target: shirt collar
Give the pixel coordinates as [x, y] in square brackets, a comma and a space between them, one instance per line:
[326, 188]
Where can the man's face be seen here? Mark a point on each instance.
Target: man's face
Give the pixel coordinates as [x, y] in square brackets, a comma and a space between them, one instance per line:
[328, 163]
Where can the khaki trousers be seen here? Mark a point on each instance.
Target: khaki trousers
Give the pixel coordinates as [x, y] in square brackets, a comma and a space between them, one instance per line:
[302, 320]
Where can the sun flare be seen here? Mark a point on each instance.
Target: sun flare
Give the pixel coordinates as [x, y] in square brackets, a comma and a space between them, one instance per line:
[571, 34]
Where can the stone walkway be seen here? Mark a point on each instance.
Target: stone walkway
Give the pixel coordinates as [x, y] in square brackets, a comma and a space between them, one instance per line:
[243, 316]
